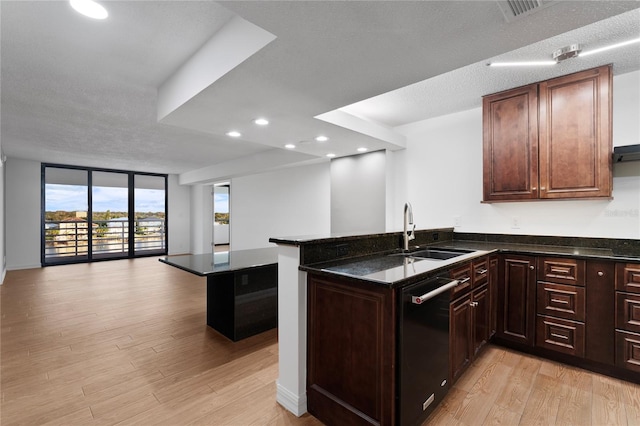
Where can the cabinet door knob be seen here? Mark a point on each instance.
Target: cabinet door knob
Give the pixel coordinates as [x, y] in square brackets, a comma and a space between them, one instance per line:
[534, 188]
[600, 273]
[542, 188]
[531, 267]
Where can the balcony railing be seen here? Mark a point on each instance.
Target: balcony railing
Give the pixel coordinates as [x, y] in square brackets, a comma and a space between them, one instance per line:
[109, 237]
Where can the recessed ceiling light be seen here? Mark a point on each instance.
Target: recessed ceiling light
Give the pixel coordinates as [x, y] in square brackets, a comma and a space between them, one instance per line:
[322, 138]
[363, 149]
[89, 8]
[234, 134]
[331, 155]
[612, 46]
[290, 146]
[261, 121]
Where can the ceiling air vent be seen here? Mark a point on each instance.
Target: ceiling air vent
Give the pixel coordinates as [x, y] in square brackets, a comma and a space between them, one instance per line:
[512, 9]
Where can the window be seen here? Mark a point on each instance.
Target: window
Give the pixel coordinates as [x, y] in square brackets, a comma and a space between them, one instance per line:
[95, 214]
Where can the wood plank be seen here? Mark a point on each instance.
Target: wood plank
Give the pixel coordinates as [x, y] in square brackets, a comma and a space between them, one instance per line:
[149, 358]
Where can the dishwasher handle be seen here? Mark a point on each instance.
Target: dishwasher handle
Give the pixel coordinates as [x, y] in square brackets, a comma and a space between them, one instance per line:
[418, 300]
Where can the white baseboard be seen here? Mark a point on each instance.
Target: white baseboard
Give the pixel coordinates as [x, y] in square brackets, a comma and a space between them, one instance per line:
[19, 267]
[297, 404]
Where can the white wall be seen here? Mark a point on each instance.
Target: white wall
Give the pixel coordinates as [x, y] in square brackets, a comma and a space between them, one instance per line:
[289, 202]
[3, 260]
[358, 193]
[179, 215]
[23, 213]
[444, 180]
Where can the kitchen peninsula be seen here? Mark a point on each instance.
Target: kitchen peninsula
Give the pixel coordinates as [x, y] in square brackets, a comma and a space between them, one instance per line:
[242, 289]
[569, 299]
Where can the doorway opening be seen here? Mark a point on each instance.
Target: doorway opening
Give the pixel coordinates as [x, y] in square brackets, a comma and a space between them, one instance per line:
[221, 232]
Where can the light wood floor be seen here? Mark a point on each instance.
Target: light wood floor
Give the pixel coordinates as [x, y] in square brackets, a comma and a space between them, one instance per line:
[125, 342]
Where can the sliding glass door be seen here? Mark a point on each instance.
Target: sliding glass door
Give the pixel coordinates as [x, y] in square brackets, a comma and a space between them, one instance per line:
[95, 214]
[150, 206]
[65, 225]
[110, 214]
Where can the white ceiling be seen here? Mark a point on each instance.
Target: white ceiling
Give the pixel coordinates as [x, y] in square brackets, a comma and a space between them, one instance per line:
[77, 91]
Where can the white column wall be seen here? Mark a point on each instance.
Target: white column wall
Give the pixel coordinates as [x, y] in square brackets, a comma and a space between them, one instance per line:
[358, 193]
[287, 202]
[201, 219]
[3, 259]
[179, 215]
[23, 214]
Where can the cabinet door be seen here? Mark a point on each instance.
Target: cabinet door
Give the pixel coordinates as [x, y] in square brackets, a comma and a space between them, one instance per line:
[563, 301]
[560, 335]
[600, 311]
[628, 311]
[351, 352]
[575, 135]
[463, 275]
[628, 350]
[628, 277]
[561, 270]
[460, 336]
[493, 293]
[510, 144]
[516, 299]
[481, 317]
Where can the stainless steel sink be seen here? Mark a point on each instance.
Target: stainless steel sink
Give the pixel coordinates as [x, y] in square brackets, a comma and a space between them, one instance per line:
[435, 253]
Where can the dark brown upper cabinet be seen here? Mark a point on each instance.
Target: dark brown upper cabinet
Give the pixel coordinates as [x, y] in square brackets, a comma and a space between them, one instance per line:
[550, 140]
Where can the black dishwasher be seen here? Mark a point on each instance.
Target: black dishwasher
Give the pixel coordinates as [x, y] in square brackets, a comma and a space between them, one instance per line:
[423, 349]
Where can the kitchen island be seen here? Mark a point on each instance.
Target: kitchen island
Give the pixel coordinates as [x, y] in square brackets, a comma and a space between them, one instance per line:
[242, 289]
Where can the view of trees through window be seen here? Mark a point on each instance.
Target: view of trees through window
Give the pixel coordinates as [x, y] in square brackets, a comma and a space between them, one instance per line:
[69, 225]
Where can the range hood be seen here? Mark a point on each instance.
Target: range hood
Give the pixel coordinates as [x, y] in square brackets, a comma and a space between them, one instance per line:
[626, 153]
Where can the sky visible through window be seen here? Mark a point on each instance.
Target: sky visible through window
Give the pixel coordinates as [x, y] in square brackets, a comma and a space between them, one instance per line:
[221, 203]
[74, 198]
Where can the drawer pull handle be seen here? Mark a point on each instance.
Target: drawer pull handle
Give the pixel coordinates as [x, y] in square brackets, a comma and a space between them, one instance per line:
[481, 271]
[464, 280]
[560, 301]
[559, 336]
[560, 271]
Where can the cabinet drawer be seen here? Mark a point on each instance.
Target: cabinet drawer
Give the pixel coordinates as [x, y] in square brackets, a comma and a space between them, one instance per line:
[628, 311]
[628, 277]
[560, 335]
[480, 270]
[462, 274]
[628, 350]
[564, 301]
[561, 270]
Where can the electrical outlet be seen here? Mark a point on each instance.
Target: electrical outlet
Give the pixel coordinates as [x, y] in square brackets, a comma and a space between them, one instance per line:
[515, 222]
[457, 221]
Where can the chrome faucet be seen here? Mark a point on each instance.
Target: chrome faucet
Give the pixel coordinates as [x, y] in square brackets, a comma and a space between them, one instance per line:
[408, 234]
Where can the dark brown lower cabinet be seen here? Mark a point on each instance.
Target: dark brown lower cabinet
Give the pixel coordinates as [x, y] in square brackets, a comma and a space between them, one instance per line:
[517, 299]
[560, 335]
[460, 336]
[469, 327]
[600, 311]
[493, 294]
[628, 350]
[481, 317]
[351, 353]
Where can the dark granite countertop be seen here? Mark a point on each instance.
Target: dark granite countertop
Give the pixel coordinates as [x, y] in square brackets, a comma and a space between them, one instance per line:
[395, 271]
[227, 261]
[389, 269]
